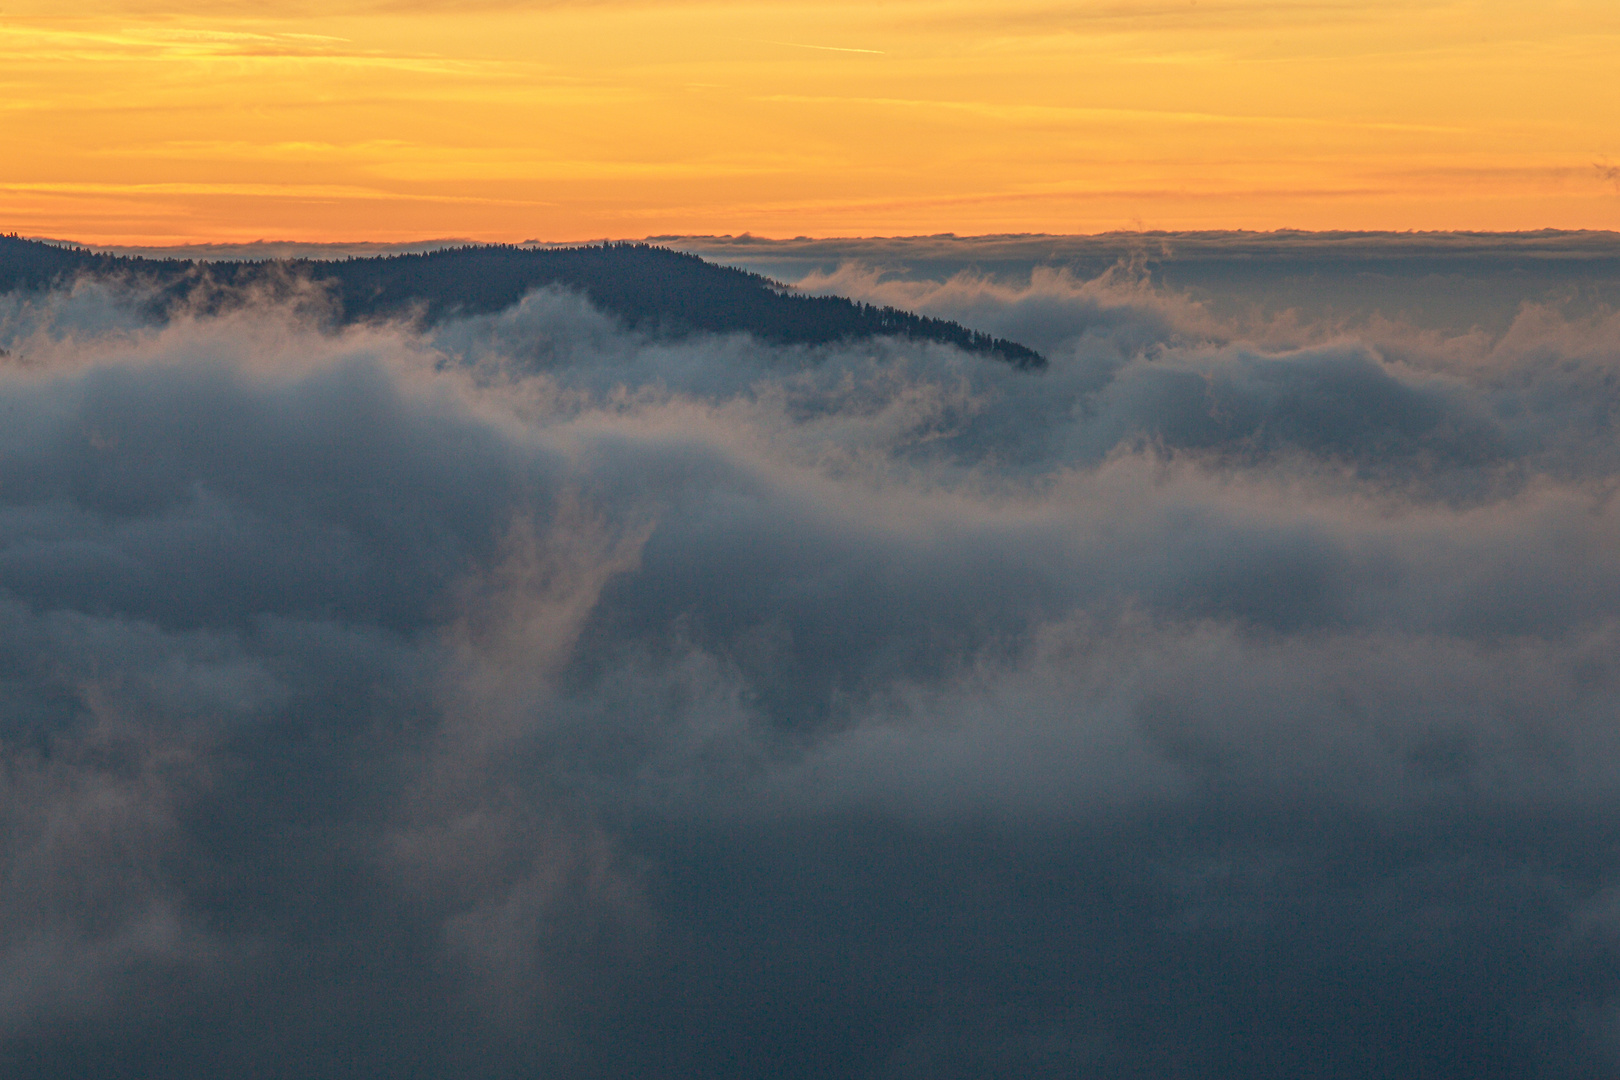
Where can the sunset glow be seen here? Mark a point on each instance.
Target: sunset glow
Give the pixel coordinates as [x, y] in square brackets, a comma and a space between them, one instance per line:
[155, 123]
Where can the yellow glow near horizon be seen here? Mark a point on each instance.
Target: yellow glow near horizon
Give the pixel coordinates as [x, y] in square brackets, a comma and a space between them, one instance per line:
[186, 121]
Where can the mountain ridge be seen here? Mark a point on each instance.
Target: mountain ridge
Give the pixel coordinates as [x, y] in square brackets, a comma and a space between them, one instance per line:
[652, 289]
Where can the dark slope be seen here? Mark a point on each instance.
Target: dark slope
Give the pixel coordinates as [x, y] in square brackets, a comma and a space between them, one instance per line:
[650, 288]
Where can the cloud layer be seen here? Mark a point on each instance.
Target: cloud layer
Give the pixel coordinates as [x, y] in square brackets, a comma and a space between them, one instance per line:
[1231, 698]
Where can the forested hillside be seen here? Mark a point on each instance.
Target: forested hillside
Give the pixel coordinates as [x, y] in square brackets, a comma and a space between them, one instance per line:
[650, 288]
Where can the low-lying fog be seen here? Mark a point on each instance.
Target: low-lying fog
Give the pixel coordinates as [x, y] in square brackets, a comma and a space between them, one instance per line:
[1238, 697]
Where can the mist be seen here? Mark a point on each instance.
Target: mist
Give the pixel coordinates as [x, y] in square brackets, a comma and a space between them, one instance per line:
[526, 695]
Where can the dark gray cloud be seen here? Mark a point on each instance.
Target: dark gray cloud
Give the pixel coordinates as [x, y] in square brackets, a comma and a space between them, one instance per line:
[1235, 697]
[1449, 282]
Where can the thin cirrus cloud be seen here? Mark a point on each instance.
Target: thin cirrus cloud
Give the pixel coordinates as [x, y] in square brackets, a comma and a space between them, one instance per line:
[881, 104]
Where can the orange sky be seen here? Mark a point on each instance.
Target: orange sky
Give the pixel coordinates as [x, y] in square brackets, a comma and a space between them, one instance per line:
[155, 122]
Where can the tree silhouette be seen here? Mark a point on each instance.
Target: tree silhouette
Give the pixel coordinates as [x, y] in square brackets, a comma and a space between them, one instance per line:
[651, 289]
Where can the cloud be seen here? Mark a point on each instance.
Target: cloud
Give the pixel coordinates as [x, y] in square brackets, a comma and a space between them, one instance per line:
[529, 694]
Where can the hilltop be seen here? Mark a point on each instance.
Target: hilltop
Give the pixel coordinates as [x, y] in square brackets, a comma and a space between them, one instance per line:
[650, 288]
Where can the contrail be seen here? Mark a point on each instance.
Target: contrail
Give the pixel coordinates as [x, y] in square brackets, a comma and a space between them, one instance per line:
[826, 48]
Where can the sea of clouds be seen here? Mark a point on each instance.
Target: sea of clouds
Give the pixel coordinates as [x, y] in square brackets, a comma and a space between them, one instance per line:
[527, 697]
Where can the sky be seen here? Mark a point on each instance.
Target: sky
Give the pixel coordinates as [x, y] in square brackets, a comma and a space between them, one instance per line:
[167, 122]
